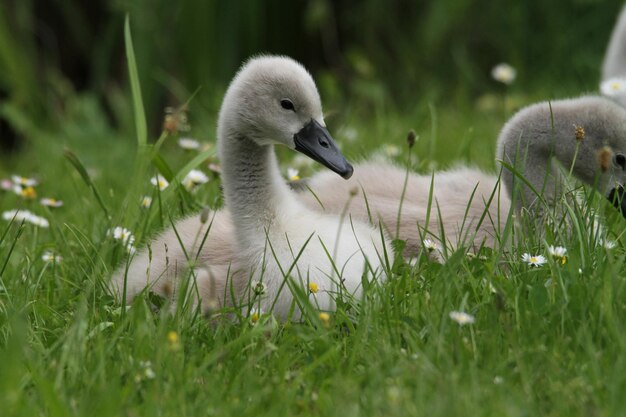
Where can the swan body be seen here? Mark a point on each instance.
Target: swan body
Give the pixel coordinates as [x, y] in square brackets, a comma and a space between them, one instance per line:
[278, 241]
[467, 206]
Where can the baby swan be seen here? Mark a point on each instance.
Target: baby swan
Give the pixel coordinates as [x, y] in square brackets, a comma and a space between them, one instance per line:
[470, 207]
[586, 135]
[278, 241]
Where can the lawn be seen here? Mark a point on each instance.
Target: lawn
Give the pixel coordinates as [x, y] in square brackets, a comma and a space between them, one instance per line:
[547, 340]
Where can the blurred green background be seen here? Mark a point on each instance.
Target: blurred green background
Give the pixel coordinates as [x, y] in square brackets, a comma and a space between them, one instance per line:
[57, 55]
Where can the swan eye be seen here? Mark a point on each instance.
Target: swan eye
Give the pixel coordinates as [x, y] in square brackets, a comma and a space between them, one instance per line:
[620, 160]
[287, 104]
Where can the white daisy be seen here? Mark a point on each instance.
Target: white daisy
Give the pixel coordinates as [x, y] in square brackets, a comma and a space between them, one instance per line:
[23, 181]
[293, 174]
[504, 73]
[534, 260]
[613, 86]
[255, 315]
[51, 202]
[430, 245]
[188, 143]
[558, 252]
[146, 201]
[159, 181]
[462, 318]
[122, 234]
[195, 177]
[26, 216]
[50, 257]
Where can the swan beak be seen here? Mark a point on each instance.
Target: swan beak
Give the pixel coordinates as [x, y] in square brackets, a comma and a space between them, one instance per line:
[617, 197]
[314, 141]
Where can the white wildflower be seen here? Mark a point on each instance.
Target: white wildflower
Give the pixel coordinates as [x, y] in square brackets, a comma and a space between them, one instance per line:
[193, 178]
[159, 181]
[23, 181]
[146, 201]
[293, 174]
[613, 86]
[26, 216]
[50, 257]
[462, 318]
[533, 260]
[504, 73]
[255, 315]
[558, 252]
[122, 234]
[188, 143]
[430, 245]
[51, 202]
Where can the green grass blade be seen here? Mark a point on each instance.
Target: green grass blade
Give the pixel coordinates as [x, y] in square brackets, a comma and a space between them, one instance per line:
[140, 116]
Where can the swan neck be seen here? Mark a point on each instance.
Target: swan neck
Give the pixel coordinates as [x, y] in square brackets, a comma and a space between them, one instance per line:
[254, 191]
[533, 153]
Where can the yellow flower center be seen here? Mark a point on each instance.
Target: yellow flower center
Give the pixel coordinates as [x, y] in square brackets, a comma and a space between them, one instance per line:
[172, 337]
[313, 287]
[28, 193]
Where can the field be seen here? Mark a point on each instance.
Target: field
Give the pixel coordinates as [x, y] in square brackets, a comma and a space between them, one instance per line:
[548, 340]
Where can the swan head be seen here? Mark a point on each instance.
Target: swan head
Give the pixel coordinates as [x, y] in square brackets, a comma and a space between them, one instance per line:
[274, 100]
[585, 134]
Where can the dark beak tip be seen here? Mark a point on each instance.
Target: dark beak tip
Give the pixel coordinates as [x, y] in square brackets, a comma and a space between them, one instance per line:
[347, 173]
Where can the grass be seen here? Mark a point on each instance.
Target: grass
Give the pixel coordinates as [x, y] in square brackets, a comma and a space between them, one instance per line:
[546, 341]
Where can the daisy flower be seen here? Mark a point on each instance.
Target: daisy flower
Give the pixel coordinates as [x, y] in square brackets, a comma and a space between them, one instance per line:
[534, 260]
[462, 318]
[558, 252]
[159, 181]
[504, 73]
[430, 245]
[25, 216]
[193, 178]
[122, 234]
[255, 315]
[23, 181]
[313, 287]
[49, 257]
[51, 202]
[613, 86]
[188, 144]
[293, 174]
[26, 192]
[146, 201]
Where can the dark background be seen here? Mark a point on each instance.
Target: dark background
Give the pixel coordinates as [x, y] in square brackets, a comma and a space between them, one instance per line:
[374, 52]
